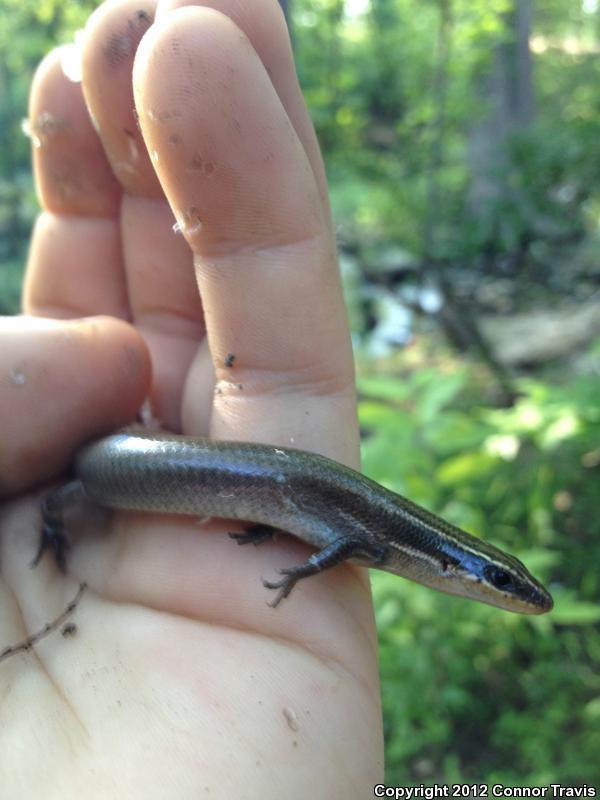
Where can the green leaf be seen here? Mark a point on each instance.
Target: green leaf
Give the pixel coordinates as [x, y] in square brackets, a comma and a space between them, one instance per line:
[383, 388]
[454, 431]
[372, 414]
[438, 393]
[465, 467]
[568, 611]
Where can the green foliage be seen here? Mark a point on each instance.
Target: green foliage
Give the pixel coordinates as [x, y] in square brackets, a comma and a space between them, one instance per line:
[472, 693]
[395, 118]
[11, 276]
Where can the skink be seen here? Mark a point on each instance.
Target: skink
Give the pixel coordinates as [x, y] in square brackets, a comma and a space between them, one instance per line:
[331, 507]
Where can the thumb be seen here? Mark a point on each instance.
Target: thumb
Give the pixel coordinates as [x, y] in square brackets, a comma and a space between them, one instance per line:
[63, 381]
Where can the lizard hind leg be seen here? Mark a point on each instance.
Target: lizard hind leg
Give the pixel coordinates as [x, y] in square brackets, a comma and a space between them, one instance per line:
[255, 534]
[53, 536]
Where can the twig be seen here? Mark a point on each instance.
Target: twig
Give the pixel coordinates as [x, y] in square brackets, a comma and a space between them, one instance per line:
[49, 627]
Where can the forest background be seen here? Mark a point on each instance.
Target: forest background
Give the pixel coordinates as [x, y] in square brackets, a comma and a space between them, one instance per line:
[462, 142]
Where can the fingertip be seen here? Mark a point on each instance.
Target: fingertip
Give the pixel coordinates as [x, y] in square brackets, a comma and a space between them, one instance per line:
[71, 172]
[112, 35]
[228, 158]
[160, 37]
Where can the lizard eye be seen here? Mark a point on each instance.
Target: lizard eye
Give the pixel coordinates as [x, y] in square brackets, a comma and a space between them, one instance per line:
[499, 578]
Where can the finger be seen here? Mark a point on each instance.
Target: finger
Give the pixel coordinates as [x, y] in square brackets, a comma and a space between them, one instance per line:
[244, 191]
[264, 24]
[65, 382]
[163, 296]
[111, 38]
[74, 266]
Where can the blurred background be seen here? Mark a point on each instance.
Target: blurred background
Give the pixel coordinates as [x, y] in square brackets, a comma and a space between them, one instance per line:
[462, 141]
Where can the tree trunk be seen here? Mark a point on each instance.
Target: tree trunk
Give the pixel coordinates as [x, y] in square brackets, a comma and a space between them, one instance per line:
[507, 97]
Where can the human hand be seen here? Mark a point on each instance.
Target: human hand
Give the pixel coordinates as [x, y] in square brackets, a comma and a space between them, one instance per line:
[180, 679]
